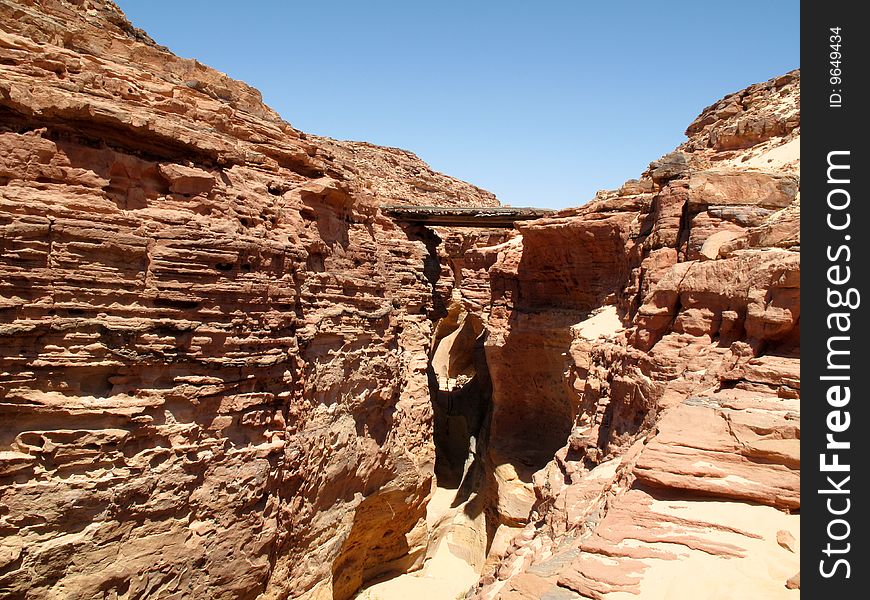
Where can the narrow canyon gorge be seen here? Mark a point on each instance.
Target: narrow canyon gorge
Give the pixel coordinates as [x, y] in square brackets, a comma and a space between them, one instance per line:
[227, 372]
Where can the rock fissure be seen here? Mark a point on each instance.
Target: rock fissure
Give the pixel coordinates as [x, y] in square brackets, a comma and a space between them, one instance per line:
[226, 372]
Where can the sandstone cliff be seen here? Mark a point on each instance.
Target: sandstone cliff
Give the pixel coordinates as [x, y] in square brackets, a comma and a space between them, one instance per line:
[225, 373]
[214, 360]
[644, 352]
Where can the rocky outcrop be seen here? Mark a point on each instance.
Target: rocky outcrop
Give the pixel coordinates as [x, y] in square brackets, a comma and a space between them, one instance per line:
[398, 176]
[646, 346]
[225, 372]
[213, 375]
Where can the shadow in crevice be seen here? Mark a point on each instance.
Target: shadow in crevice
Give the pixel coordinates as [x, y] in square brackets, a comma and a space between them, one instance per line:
[461, 391]
[369, 554]
[431, 266]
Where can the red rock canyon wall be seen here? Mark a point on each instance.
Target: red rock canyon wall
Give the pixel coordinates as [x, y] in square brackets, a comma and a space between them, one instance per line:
[224, 372]
[214, 347]
[650, 340]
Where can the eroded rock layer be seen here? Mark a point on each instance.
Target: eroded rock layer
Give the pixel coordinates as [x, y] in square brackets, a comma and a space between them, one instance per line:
[225, 373]
[644, 352]
[213, 369]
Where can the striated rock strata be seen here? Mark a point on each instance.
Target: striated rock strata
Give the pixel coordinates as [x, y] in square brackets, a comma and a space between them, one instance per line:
[225, 373]
[644, 352]
[213, 369]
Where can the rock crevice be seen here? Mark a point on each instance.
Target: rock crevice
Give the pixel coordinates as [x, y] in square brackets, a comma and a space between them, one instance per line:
[226, 372]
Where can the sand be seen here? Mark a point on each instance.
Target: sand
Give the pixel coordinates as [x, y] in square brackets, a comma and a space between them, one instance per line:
[770, 157]
[604, 322]
[764, 568]
[454, 559]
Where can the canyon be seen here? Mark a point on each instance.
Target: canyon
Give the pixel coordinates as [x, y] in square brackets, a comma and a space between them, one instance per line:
[228, 371]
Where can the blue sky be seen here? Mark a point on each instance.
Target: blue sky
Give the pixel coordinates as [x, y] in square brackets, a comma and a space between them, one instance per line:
[542, 103]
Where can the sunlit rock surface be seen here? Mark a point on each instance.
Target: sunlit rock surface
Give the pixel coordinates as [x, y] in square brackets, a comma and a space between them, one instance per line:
[225, 373]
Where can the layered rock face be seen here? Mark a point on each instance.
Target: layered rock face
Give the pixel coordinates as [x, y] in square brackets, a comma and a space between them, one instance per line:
[225, 373]
[650, 341]
[214, 353]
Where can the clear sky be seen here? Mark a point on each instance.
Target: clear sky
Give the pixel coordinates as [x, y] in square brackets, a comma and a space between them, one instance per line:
[542, 103]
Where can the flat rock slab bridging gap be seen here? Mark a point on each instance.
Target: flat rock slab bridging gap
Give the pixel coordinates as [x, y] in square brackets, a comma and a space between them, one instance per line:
[483, 216]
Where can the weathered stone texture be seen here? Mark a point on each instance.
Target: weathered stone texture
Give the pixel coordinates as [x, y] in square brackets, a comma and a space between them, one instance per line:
[679, 395]
[217, 351]
[214, 347]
